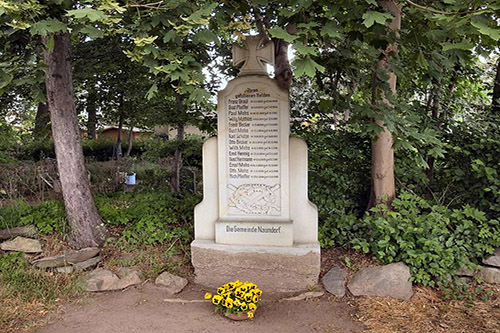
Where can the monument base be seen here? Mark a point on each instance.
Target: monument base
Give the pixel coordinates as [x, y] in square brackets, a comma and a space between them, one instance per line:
[272, 268]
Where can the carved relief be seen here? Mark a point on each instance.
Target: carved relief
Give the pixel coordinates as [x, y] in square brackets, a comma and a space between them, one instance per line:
[255, 199]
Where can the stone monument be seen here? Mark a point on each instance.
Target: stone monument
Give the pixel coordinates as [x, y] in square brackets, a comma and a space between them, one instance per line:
[255, 222]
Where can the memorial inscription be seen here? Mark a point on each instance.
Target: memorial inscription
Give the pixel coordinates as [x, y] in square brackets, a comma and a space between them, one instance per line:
[253, 156]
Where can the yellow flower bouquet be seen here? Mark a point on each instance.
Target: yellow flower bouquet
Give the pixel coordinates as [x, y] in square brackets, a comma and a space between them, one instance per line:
[236, 298]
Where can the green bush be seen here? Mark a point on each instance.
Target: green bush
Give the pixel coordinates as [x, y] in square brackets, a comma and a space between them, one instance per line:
[48, 217]
[157, 148]
[339, 181]
[149, 218]
[434, 241]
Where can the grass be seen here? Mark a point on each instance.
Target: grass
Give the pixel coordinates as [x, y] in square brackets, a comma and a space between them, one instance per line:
[28, 294]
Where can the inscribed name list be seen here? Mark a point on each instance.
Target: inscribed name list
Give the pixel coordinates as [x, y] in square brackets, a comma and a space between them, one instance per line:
[253, 152]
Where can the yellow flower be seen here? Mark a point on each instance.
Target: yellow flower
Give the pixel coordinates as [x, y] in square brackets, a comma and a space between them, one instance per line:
[229, 303]
[216, 299]
[244, 306]
[221, 290]
[255, 298]
[248, 297]
[252, 307]
[250, 314]
[244, 288]
[257, 291]
[208, 296]
[237, 302]
[239, 293]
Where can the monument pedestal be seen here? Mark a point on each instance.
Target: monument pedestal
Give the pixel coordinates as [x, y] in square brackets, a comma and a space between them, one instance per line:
[272, 268]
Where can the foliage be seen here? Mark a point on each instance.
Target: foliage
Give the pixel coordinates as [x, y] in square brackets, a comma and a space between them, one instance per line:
[434, 241]
[143, 218]
[470, 173]
[149, 218]
[48, 217]
[157, 148]
[339, 180]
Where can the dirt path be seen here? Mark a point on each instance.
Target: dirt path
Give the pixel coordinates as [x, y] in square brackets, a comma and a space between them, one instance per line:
[143, 310]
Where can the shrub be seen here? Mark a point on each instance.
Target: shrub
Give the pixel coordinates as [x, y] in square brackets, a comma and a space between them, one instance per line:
[48, 217]
[434, 241]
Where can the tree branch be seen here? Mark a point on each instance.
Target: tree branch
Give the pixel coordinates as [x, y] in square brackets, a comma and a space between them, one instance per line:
[435, 11]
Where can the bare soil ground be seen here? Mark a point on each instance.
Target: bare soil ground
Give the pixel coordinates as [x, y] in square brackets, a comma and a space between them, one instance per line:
[143, 309]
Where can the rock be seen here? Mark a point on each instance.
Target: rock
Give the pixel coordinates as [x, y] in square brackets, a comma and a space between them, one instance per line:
[490, 275]
[464, 271]
[106, 280]
[334, 281]
[305, 296]
[384, 281]
[22, 244]
[493, 260]
[129, 277]
[90, 263]
[27, 231]
[71, 257]
[65, 269]
[100, 280]
[172, 283]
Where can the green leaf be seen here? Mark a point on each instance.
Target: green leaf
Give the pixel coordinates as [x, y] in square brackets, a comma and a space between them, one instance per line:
[463, 45]
[486, 30]
[152, 91]
[44, 27]
[421, 61]
[143, 41]
[371, 17]
[281, 33]
[307, 66]
[49, 44]
[92, 32]
[303, 49]
[331, 29]
[205, 36]
[91, 14]
[169, 36]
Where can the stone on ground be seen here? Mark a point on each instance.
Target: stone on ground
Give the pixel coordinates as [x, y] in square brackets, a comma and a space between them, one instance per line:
[490, 275]
[100, 280]
[305, 296]
[22, 244]
[464, 271]
[84, 265]
[65, 269]
[71, 257]
[106, 280]
[27, 231]
[493, 260]
[172, 283]
[334, 281]
[384, 281]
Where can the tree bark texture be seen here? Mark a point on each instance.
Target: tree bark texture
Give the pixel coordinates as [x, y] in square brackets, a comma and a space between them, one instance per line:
[383, 183]
[42, 123]
[495, 102]
[92, 114]
[118, 150]
[83, 218]
[175, 182]
[130, 140]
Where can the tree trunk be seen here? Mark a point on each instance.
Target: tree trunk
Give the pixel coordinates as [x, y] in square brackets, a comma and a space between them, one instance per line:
[495, 103]
[383, 185]
[130, 139]
[83, 218]
[42, 123]
[92, 114]
[175, 182]
[118, 150]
